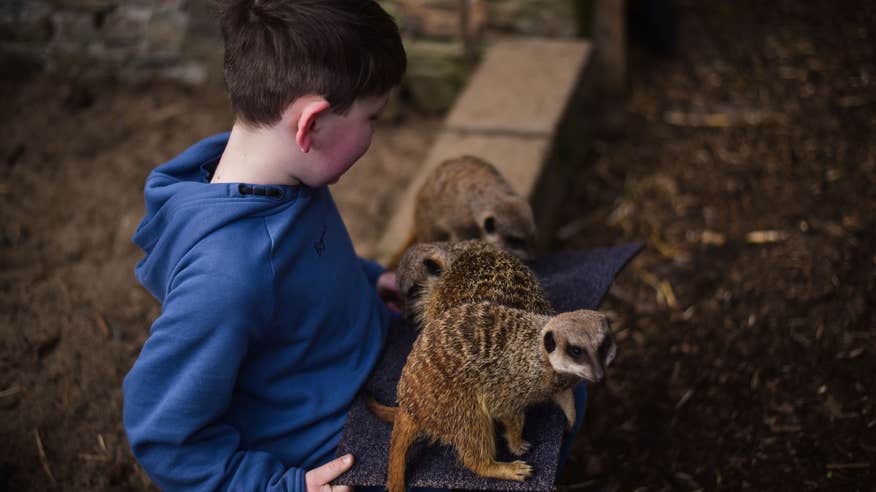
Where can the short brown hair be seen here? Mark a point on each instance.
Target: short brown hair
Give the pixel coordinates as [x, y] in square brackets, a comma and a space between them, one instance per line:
[279, 50]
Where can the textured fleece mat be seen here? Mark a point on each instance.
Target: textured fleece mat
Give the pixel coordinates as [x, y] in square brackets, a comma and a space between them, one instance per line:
[572, 280]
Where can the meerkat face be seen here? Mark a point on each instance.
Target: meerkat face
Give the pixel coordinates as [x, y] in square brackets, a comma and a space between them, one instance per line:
[510, 226]
[418, 265]
[425, 262]
[579, 343]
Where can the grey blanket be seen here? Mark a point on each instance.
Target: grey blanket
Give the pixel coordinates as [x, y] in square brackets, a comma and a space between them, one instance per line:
[572, 280]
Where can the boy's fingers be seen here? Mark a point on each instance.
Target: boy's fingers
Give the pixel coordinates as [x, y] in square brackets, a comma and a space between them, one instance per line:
[329, 471]
[394, 306]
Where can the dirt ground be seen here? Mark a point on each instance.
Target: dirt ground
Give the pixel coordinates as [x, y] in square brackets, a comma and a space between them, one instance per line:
[746, 328]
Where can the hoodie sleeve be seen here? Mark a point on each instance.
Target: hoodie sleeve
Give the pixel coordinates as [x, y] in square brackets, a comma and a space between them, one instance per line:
[182, 382]
[372, 269]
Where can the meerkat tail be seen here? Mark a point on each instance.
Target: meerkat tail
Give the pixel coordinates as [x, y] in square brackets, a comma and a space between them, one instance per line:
[404, 432]
[381, 411]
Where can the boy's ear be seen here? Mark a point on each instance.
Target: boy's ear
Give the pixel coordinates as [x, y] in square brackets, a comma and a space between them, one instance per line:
[308, 109]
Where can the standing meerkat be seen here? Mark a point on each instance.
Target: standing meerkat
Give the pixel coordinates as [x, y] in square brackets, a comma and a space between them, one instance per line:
[467, 198]
[479, 362]
[434, 277]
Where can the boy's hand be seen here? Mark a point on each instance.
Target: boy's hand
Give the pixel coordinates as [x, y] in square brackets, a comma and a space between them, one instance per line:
[317, 479]
[387, 288]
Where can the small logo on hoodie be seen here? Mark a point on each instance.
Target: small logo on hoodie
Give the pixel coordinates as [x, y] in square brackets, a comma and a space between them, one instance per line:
[319, 246]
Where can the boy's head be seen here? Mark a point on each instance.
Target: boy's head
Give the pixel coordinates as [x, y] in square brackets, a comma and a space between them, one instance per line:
[279, 50]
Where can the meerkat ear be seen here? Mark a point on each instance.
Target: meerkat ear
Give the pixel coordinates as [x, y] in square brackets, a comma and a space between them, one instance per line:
[435, 259]
[549, 343]
[432, 266]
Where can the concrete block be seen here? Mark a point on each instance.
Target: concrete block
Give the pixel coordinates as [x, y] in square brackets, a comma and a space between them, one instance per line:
[610, 37]
[521, 86]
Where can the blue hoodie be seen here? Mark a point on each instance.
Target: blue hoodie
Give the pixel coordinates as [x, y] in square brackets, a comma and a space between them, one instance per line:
[269, 326]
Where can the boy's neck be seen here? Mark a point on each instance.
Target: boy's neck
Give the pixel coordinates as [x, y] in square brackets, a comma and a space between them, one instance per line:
[254, 155]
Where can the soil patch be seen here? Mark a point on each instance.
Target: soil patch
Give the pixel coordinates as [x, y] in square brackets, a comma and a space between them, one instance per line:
[746, 328]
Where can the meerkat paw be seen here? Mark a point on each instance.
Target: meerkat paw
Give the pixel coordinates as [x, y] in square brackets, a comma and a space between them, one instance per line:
[519, 470]
[519, 448]
[515, 470]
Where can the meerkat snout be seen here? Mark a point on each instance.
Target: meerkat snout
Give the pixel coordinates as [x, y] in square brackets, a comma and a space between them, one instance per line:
[510, 226]
[579, 343]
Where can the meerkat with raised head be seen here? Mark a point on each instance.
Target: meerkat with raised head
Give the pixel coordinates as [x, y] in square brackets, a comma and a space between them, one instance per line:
[480, 362]
[434, 277]
[467, 198]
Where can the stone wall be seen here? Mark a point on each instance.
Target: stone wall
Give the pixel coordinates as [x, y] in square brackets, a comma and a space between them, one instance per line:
[443, 38]
[93, 38]
[179, 39]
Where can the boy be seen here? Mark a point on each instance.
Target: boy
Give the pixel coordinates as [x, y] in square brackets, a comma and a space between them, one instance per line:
[270, 323]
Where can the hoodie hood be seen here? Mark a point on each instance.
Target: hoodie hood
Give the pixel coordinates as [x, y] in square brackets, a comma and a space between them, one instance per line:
[183, 207]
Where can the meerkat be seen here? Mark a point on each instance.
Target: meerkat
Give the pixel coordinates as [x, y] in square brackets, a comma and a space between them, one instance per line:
[479, 362]
[434, 277]
[467, 198]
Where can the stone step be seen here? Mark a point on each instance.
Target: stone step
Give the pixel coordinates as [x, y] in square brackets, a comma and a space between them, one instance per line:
[510, 114]
[521, 86]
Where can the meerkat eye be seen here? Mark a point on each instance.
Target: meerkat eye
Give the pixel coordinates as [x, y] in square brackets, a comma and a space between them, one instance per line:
[489, 225]
[575, 351]
[549, 343]
[432, 267]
